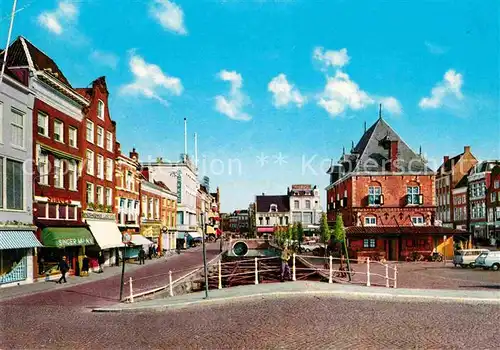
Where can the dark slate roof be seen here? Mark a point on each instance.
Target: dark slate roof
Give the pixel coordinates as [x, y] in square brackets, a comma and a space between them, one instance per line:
[370, 155]
[17, 57]
[446, 166]
[484, 166]
[264, 203]
[462, 182]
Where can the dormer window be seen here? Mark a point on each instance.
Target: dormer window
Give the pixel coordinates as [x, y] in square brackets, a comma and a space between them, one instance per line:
[273, 208]
[370, 221]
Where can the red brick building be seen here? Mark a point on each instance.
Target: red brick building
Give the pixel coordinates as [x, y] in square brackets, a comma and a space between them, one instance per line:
[493, 203]
[385, 194]
[459, 202]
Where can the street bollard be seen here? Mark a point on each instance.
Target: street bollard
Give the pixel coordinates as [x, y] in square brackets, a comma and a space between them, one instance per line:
[330, 278]
[368, 282]
[131, 291]
[293, 268]
[387, 275]
[220, 275]
[256, 271]
[395, 276]
[171, 287]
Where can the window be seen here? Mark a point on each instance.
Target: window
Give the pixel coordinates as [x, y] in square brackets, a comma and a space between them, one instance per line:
[496, 184]
[286, 220]
[58, 131]
[109, 141]
[100, 195]
[307, 218]
[260, 220]
[296, 204]
[100, 167]
[58, 173]
[129, 181]
[73, 136]
[90, 131]
[413, 194]
[43, 124]
[109, 169]
[281, 220]
[144, 206]
[90, 162]
[90, 193]
[72, 175]
[109, 197]
[370, 221]
[100, 137]
[308, 204]
[151, 209]
[17, 128]
[157, 209]
[369, 243]
[418, 220]
[62, 211]
[100, 110]
[267, 220]
[374, 195]
[43, 168]
[14, 184]
[274, 208]
[493, 197]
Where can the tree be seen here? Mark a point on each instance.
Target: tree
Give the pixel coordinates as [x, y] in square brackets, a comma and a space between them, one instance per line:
[300, 234]
[294, 232]
[324, 230]
[339, 230]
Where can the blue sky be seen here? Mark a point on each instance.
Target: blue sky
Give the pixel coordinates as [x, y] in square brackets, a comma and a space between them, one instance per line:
[286, 81]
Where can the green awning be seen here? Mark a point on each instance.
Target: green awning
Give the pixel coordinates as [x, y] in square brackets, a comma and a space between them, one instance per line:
[60, 237]
[18, 240]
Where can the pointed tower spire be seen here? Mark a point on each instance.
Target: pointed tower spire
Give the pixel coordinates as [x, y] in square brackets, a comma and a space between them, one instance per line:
[352, 146]
[343, 151]
[380, 111]
[420, 150]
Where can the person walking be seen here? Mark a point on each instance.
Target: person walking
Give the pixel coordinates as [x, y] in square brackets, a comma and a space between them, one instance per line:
[150, 252]
[285, 268]
[63, 267]
[85, 266]
[142, 256]
[100, 260]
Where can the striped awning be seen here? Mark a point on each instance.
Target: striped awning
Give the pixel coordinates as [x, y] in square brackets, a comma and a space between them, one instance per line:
[18, 240]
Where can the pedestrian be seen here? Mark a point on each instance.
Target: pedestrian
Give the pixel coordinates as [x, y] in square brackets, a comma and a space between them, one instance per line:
[285, 268]
[85, 266]
[63, 267]
[150, 252]
[41, 265]
[142, 256]
[100, 260]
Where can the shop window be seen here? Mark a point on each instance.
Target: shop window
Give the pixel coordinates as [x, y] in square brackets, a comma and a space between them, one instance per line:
[52, 211]
[41, 210]
[72, 212]
[369, 243]
[62, 212]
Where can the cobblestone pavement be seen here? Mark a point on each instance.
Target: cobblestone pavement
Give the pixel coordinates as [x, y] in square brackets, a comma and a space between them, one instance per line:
[267, 323]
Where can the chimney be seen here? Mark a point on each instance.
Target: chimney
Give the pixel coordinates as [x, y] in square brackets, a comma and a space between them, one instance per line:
[445, 159]
[134, 155]
[145, 173]
[393, 155]
[466, 149]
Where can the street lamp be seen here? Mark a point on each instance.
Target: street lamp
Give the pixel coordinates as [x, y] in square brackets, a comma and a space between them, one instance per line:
[203, 227]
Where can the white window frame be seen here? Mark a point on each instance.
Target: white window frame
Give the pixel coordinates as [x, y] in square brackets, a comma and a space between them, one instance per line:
[369, 243]
[45, 126]
[90, 162]
[3, 183]
[43, 178]
[100, 166]
[91, 198]
[72, 168]
[370, 221]
[89, 138]
[418, 220]
[18, 126]
[109, 169]
[58, 173]
[109, 196]
[493, 197]
[59, 124]
[144, 206]
[296, 204]
[100, 110]
[100, 141]
[73, 136]
[109, 141]
[100, 196]
[374, 195]
[412, 194]
[308, 204]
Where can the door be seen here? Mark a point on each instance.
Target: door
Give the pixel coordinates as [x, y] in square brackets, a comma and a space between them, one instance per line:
[393, 249]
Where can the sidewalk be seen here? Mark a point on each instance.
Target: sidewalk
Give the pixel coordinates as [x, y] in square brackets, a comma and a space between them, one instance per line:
[131, 270]
[301, 288]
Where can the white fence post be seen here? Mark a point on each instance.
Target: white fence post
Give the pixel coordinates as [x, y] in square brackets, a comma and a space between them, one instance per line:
[330, 278]
[171, 287]
[256, 271]
[387, 275]
[131, 291]
[368, 282]
[395, 276]
[293, 268]
[220, 275]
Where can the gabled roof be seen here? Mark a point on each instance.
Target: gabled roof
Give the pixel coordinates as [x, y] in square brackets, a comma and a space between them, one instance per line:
[264, 203]
[370, 154]
[446, 166]
[23, 53]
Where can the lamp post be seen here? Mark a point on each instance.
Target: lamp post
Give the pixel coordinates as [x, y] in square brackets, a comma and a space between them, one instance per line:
[205, 268]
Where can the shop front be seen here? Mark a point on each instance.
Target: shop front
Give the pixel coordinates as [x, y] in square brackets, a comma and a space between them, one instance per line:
[62, 241]
[136, 243]
[16, 257]
[152, 231]
[168, 238]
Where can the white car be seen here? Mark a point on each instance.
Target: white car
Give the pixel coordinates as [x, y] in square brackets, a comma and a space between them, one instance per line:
[489, 260]
[311, 246]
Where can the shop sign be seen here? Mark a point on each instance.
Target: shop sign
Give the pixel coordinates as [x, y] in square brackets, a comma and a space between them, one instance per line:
[98, 215]
[301, 187]
[68, 242]
[126, 237]
[59, 200]
[179, 186]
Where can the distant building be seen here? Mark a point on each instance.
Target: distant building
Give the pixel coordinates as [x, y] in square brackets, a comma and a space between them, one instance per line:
[461, 215]
[271, 211]
[493, 203]
[305, 206]
[239, 221]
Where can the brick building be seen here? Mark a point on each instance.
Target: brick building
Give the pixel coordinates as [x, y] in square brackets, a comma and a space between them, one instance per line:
[97, 142]
[385, 194]
[460, 205]
[493, 203]
[447, 177]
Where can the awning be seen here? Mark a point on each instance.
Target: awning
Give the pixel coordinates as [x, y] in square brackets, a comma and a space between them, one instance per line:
[265, 229]
[140, 240]
[194, 234]
[60, 237]
[106, 233]
[18, 240]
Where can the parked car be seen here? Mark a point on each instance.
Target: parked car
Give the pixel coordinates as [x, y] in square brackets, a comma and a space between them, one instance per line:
[311, 247]
[467, 257]
[489, 260]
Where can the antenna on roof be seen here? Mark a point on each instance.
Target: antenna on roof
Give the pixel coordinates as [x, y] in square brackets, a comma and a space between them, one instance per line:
[420, 150]
[343, 151]
[352, 146]
[380, 111]
[365, 126]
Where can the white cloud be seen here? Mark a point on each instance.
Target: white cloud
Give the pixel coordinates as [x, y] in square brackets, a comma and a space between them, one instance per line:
[232, 106]
[169, 15]
[104, 58]
[444, 91]
[391, 104]
[63, 15]
[284, 92]
[331, 58]
[150, 80]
